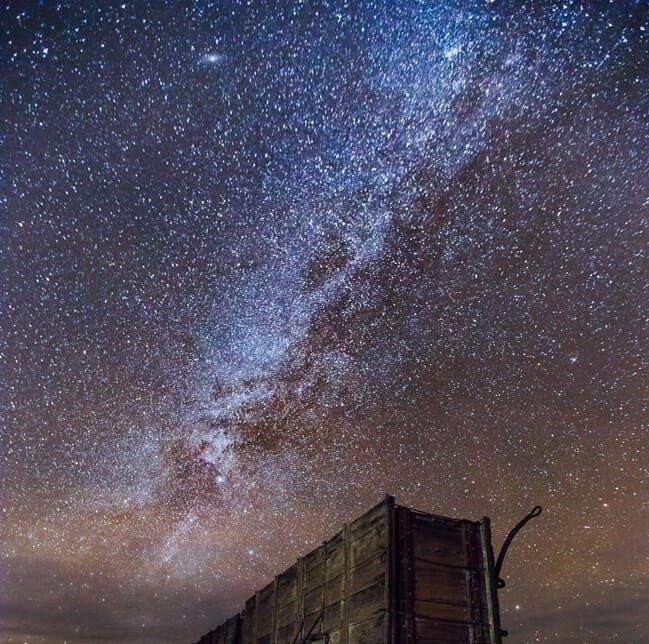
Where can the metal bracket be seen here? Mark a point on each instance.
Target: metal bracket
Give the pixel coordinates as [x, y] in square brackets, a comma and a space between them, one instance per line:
[536, 510]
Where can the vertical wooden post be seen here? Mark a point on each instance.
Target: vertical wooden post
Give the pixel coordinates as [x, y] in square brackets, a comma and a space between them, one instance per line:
[472, 590]
[390, 574]
[255, 630]
[493, 609]
[273, 629]
[299, 613]
[325, 553]
[345, 603]
[405, 585]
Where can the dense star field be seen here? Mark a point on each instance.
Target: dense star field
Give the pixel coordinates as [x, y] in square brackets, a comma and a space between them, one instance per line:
[262, 263]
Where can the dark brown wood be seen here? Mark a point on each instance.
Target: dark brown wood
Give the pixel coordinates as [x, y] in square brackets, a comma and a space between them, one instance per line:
[391, 600]
[392, 576]
[345, 604]
[249, 621]
[489, 581]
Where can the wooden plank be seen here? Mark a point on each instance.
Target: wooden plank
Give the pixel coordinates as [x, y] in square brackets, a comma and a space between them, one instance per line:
[314, 577]
[377, 515]
[249, 621]
[226, 633]
[335, 556]
[440, 583]
[334, 637]
[443, 632]
[368, 573]
[332, 617]
[311, 590]
[372, 544]
[287, 632]
[345, 604]
[439, 542]
[335, 590]
[265, 594]
[314, 558]
[287, 585]
[370, 631]
[313, 600]
[232, 631]
[438, 632]
[286, 613]
[310, 620]
[367, 603]
[439, 610]
[265, 610]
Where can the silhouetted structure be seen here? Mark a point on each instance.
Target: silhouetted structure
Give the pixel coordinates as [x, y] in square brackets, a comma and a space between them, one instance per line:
[392, 576]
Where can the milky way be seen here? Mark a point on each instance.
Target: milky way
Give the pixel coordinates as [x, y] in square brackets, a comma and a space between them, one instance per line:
[264, 262]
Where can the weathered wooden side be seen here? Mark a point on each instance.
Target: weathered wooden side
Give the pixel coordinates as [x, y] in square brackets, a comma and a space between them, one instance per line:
[227, 633]
[489, 582]
[446, 582]
[403, 579]
[392, 576]
[368, 577]
[265, 609]
[287, 605]
[249, 621]
[313, 591]
[338, 591]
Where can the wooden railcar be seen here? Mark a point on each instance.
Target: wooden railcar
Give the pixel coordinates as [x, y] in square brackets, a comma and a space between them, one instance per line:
[392, 576]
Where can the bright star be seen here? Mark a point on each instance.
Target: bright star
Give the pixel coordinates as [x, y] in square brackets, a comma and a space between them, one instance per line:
[213, 59]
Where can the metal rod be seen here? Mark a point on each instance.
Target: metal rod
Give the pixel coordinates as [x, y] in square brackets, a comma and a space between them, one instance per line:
[536, 510]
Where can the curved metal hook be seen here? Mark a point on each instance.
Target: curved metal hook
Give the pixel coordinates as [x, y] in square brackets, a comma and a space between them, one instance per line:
[536, 510]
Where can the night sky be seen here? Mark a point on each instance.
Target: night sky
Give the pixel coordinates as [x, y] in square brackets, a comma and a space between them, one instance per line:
[262, 263]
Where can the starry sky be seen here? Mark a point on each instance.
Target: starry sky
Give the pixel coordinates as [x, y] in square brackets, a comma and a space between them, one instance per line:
[263, 262]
